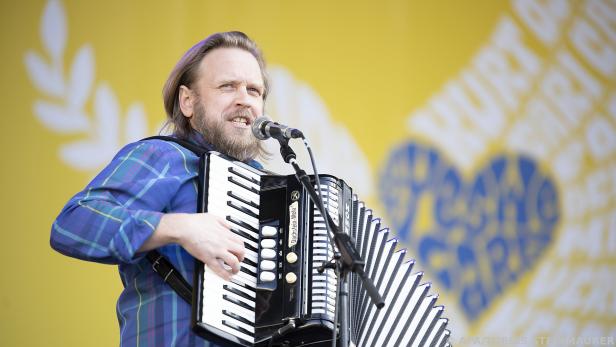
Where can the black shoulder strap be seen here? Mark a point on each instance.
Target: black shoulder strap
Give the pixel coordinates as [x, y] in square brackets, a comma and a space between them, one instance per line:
[160, 264]
[170, 275]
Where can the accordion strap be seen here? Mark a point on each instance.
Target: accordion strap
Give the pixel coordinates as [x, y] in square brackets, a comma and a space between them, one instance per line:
[160, 264]
[170, 275]
[198, 150]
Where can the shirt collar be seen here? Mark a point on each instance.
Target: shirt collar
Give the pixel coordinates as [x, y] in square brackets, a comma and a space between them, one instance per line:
[198, 139]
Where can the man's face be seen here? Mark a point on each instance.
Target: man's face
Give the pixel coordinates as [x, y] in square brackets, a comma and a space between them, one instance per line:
[229, 93]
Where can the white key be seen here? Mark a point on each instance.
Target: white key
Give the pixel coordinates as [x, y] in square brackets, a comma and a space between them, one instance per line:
[212, 299]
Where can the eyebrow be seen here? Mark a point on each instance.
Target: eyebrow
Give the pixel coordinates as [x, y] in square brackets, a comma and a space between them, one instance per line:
[237, 81]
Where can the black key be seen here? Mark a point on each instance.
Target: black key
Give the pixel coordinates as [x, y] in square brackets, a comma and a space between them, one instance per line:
[238, 317]
[246, 271]
[237, 302]
[251, 189]
[236, 327]
[250, 248]
[239, 198]
[242, 224]
[238, 292]
[238, 173]
[251, 288]
[242, 209]
[244, 234]
[248, 261]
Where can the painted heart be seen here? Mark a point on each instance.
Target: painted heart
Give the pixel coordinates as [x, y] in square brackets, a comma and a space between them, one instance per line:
[475, 235]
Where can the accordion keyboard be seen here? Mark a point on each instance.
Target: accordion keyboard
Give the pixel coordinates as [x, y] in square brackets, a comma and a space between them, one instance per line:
[234, 195]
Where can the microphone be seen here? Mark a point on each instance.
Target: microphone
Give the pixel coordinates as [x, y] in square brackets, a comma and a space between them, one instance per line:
[263, 128]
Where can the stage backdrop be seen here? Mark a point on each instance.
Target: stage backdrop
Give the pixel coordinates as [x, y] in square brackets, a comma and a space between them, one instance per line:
[483, 132]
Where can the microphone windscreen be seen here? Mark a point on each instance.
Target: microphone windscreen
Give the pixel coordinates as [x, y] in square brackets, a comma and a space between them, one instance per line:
[257, 128]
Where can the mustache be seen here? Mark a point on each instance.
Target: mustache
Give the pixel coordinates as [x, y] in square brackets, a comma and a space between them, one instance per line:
[242, 112]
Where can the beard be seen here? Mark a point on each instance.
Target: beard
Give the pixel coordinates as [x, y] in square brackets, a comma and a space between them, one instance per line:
[242, 146]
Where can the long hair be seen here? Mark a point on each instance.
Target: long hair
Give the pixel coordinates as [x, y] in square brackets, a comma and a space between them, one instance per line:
[185, 73]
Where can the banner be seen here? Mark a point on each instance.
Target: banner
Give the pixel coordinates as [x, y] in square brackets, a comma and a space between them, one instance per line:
[482, 132]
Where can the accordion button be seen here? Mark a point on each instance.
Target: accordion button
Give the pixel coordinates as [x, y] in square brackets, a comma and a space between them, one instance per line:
[267, 276]
[269, 231]
[290, 277]
[267, 265]
[268, 243]
[268, 253]
[291, 257]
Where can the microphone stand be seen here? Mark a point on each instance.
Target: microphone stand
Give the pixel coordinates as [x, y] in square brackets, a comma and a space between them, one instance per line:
[346, 260]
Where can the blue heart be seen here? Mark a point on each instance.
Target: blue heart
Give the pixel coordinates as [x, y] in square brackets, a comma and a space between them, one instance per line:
[476, 236]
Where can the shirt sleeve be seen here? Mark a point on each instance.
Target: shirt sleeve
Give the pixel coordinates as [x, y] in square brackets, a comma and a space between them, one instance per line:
[117, 212]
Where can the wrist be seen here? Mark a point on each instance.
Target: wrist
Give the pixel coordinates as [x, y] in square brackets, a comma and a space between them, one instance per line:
[170, 228]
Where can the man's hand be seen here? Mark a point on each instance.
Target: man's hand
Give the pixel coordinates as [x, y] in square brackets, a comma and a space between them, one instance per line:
[203, 235]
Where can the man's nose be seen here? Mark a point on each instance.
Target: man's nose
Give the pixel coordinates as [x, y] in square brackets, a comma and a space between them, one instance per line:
[242, 98]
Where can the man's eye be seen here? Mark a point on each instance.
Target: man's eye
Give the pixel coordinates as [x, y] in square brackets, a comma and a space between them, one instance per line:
[226, 86]
[254, 91]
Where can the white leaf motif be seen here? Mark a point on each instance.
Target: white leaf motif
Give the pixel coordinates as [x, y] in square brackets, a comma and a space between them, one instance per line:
[296, 104]
[136, 125]
[85, 155]
[81, 78]
[59, 118]
[53, 29]
[68, 114]
[94, 152]
[107, 117]
[44, 77]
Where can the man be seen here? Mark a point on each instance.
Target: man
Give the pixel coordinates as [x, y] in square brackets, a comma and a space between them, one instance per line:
[146, 197]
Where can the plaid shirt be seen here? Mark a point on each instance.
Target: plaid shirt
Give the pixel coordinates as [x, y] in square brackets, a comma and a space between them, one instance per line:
[115, 214]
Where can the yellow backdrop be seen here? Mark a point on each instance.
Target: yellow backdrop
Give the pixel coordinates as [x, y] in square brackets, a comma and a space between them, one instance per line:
[482, 131]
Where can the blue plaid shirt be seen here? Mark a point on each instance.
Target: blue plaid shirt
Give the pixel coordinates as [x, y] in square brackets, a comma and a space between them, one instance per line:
[115, 214]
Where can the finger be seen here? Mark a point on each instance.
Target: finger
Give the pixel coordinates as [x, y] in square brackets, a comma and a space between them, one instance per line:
[216, 266]
[238, 250]
[231, 261]
[223, 222]
[224, 265]
[237, 239]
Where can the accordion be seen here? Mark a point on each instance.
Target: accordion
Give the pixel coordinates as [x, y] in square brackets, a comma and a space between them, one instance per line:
[279, 297]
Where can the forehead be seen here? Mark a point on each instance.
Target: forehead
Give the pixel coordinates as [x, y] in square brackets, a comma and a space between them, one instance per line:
[230, 64]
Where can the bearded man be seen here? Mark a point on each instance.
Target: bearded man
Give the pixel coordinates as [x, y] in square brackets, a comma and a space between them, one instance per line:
[146, 197]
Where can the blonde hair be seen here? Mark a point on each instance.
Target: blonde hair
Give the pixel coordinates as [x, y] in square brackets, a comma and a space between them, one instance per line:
[185, 73]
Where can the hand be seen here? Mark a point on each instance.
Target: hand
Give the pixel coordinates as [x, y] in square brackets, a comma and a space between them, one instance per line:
[207, 238]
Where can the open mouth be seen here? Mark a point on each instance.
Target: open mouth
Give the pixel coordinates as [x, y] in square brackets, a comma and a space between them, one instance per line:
[241, 121]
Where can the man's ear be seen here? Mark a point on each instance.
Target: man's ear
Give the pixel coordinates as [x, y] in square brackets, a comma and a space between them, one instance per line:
[186, 99]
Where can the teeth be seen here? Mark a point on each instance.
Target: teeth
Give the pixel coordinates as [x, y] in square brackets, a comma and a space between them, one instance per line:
[240, 120]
